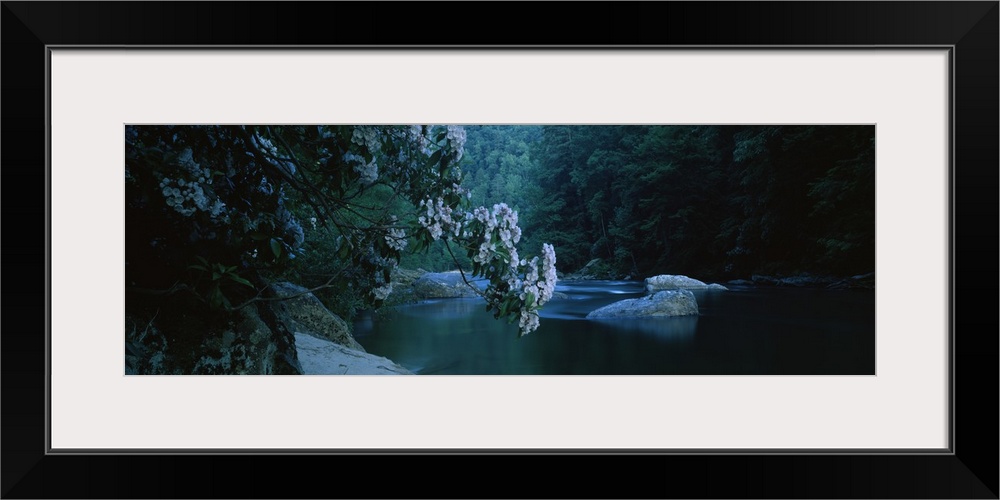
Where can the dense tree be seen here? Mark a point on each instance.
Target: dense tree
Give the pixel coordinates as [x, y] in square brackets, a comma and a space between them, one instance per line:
[217, 212]
[712, 201]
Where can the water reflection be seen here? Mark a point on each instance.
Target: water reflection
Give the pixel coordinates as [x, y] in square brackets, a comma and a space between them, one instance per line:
[440, 308]
[749, 331]
[673, 329]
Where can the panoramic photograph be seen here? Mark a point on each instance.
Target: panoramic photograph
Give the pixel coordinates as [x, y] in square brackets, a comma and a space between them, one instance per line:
[402, 249]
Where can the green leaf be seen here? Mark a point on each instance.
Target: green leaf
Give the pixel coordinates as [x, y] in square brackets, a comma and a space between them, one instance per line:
[436, 157]
[198, 268]
[257, 236]
[214, 296]
[240, 280]
[529, 299]
[276, 248]
[216, 275]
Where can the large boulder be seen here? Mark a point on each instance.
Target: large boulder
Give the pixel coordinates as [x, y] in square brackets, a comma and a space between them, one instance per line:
[304, 313]
[442, 286]
[664, 303]
[322, 357]
[678, 282]
[402, 286]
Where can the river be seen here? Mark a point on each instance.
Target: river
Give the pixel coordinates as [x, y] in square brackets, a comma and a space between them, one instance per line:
[743, 331]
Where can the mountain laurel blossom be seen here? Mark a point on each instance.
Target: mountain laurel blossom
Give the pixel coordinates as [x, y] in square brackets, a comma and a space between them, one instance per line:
[456, 140]
[367, 171]
[438, 218]
[395, 237]
[187, 194]
[367, 136]
[491, 237]
[380, 293]
[540, 288]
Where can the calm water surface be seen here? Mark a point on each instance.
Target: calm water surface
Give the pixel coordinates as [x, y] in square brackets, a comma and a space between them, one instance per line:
[758, 331]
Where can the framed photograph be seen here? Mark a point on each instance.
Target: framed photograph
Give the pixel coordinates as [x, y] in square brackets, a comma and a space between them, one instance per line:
[779, 202]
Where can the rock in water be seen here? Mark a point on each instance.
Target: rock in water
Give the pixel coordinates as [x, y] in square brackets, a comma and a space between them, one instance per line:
[665, 303]
[442, 286]
[678, 282]
[322, 357]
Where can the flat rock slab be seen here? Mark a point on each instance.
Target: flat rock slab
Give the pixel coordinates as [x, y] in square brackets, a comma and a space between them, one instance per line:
[305, 313]
[666, 303]
[322, 357]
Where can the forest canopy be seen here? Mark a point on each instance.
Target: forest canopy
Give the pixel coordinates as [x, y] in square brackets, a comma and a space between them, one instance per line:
[719, 202]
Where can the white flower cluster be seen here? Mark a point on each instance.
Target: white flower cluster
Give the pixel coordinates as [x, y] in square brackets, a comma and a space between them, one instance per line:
[528, 322]
[265, 187]
[456, 140]
[534, 290]
[503, 221]
[461, 191]
[187, 195]
[419, 140]
[367, 136]
[382, 292]
[497, 234]
[367, 170]
[396, 237]
[541, 288]
[439, 220]
[265, 145]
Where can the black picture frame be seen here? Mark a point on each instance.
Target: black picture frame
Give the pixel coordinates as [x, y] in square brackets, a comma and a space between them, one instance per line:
[970, 28]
